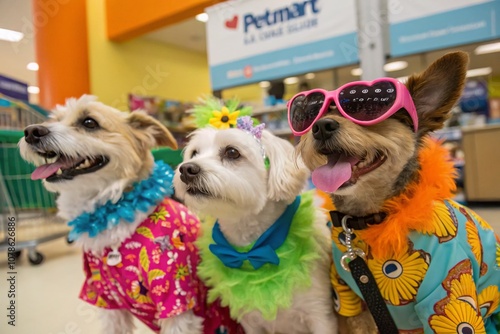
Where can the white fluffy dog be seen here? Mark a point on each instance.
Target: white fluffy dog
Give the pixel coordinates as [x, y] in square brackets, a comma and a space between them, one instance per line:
[224, 176]
[92, 154]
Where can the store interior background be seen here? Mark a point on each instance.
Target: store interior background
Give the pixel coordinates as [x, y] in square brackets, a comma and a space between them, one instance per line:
[169, 68]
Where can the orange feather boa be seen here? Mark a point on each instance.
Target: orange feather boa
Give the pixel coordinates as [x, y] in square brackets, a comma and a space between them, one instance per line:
[413, 209]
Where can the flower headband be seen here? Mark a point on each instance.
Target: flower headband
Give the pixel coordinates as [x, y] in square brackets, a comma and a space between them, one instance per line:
[224, 115]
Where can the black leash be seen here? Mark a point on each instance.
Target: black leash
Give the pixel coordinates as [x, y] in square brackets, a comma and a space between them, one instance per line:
[371, 294]
[353, 261]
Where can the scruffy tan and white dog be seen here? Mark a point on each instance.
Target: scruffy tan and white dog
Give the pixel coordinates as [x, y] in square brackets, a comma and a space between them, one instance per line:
[95, 157]
[224, 176]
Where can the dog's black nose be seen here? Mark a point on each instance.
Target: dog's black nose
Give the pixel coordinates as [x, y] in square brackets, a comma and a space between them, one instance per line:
[189, 171]
[324, 128]
[33, 133]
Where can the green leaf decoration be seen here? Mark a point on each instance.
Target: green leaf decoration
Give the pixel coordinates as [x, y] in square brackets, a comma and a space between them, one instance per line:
[208, 104]
[144, 259]
[155, 273]
[232, 105]
[145, 232]
[203, 112]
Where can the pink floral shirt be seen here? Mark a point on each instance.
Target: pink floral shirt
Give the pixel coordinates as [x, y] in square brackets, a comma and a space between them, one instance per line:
[153, 273]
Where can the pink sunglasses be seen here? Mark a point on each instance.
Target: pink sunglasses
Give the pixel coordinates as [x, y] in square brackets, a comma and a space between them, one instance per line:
[362, 102]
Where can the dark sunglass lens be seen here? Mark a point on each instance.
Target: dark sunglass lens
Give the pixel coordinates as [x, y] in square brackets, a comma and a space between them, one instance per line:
[366, 103]
[304, 109]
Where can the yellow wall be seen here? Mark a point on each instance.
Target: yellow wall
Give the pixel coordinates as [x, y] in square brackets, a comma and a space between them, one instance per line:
[248, 93]
[253, 93]
[140, 66]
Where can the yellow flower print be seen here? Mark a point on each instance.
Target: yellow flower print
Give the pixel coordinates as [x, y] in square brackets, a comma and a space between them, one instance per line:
[468, 212]
[480, 220]
[458, 317]
[140, 293]
[91, 295]
[498, 255]
[464, 289]
[346, 301]
[399, 278]
[159, 215]
[224, 118]
[444, 222]
[338, 237]
[96, 275]
[101, 303]
[182, 272]
[475, 243]
[489, 299]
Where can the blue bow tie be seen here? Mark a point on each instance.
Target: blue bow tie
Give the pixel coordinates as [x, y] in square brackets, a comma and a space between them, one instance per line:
[264, 249]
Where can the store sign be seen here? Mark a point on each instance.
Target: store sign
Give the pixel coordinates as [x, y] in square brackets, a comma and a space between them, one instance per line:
[250, 41]
[13, 88]
[423, 25]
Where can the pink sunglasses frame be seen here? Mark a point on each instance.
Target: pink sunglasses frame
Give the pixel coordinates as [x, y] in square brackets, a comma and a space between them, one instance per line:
[403, 100]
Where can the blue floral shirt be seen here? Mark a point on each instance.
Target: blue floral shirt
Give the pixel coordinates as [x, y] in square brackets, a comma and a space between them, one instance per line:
[447, 281]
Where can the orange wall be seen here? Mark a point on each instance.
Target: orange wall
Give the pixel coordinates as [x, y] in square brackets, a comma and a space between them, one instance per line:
[61, 50]
[127, 19]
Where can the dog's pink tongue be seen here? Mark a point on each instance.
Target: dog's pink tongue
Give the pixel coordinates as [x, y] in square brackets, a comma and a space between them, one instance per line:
[44, 171]
[335, 173]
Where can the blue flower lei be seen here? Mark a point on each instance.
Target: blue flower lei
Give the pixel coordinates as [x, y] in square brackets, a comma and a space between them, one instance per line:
[146, 193]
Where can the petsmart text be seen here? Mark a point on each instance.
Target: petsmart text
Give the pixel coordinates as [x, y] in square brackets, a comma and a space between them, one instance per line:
[270, 18]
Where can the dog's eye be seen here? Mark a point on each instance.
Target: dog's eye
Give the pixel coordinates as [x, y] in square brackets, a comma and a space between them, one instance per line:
[231, 153]
[194, 153]
[90, 123]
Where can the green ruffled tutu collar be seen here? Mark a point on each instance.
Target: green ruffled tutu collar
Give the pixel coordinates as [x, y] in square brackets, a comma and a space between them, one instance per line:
[271, 287]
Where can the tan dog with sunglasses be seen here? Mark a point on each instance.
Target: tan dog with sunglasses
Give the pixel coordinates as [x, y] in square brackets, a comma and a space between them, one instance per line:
[432, 259]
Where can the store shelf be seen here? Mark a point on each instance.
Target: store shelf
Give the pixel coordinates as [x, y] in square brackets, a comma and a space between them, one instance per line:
[449, 134]
[281, 132]
[267, 110]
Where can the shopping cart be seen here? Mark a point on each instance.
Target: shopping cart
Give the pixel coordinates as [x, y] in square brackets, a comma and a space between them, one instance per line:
[25, 202]
[25, 205]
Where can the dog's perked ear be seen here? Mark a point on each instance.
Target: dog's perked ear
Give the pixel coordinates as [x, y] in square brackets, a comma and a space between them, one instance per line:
[285, 179]
[437, 89]
[150, 131]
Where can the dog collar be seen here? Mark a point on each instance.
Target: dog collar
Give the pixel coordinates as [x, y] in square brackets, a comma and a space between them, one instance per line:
[264, 249]
[357, 223]
[145, 194]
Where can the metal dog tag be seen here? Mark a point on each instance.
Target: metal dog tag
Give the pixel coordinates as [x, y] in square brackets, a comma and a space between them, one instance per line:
[114, 258]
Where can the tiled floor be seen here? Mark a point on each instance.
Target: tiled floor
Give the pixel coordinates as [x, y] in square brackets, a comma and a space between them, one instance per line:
[47, 300]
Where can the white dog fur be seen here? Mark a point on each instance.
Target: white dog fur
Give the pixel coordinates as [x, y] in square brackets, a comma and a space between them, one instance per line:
[246, 198]
[126, 139]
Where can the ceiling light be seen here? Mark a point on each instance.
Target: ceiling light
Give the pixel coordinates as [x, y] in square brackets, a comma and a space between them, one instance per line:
[264, 84]
[478, 72]
[309, 76]
[356, 72]
[32, 66]
[33, 90]
[395, 66]
[203, 17]
[10, 35]
[487, 48]
[291, 80]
